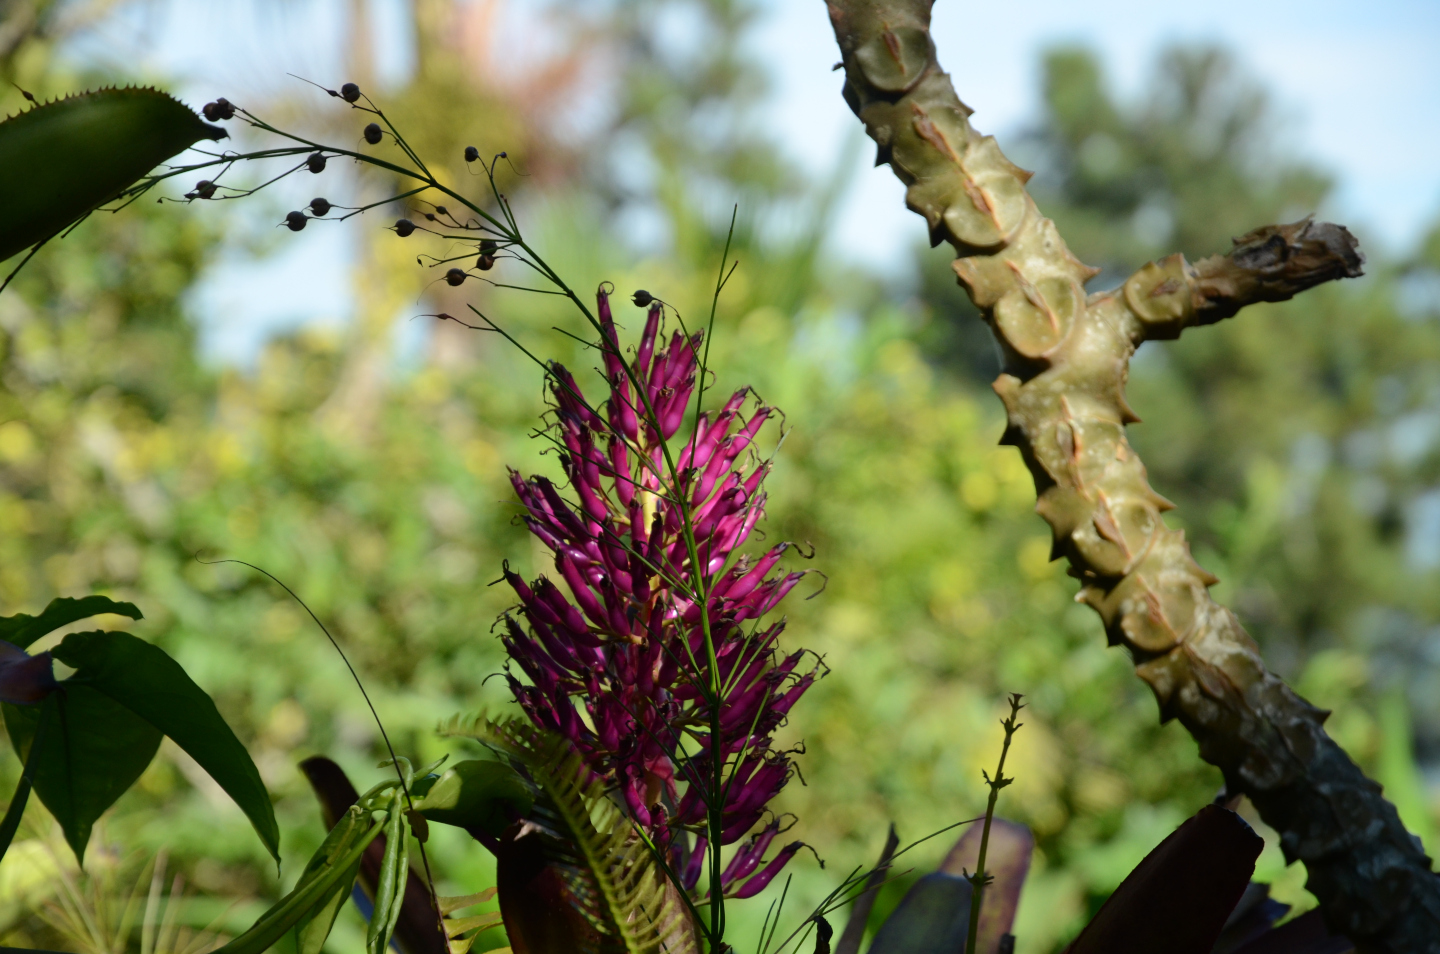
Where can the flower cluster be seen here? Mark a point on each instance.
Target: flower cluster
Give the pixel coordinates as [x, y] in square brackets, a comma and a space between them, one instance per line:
[624, 641]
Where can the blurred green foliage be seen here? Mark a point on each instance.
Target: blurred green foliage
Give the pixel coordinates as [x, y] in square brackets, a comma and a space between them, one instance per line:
[381, 496]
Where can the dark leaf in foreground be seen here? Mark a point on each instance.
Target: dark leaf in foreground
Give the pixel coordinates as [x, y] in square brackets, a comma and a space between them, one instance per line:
[1176, 901]
[145, 680]
[22, 629]
[92, 749]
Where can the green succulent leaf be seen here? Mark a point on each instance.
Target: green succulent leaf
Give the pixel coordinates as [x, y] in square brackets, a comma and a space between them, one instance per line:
[309, 904]
[144, 680]
[92, 749]
[65, 158]
[477, 794]
[22, 630]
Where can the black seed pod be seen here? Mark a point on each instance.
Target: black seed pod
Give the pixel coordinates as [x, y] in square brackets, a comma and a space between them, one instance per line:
[350, 92]
[429, 217]
[441, 210]
[204, 189]
[404, 227]
[295, 221]
[485, 262]
[471, 153]
[316, 162]
[319, 206]
[642, 298]
[222, 108]
[372, 133]
[455, 277]
[488, 246]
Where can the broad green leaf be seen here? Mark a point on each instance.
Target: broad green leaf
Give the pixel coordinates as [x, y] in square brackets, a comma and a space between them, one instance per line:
[64, 158]
[22, 630]
[486, 795]
[933, 918]
[145, 680]
[93, 749]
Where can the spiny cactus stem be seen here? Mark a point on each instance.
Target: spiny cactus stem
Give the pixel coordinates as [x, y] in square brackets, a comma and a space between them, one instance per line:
[1065, 358]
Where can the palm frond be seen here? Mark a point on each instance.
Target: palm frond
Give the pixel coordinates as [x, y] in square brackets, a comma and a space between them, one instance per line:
[613, 878]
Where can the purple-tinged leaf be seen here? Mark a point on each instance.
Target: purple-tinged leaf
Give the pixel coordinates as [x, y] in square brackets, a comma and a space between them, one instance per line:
[1007, 861]
[932, 918]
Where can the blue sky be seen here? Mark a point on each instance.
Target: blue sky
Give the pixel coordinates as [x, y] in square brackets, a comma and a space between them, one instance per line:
[1357, 87]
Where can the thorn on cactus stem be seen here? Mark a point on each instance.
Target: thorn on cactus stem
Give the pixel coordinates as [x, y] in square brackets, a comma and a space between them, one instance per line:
[316, 162]
[295, 221]
[222, 108]
[403, 227]
[319, 206]
[471, 153]
[455, 276]
[372, 133]
[642, 298]
[350, 92]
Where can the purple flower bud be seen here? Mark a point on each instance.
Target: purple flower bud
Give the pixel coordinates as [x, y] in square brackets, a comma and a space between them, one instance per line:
[758, 883]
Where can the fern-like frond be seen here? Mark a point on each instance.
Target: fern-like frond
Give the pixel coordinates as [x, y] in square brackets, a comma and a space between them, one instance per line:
[609, 870]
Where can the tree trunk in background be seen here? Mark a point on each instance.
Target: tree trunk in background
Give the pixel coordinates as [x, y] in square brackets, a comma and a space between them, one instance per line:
[1065, 362]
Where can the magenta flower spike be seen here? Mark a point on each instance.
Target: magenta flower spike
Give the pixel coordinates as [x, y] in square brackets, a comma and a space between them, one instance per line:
[616, 661]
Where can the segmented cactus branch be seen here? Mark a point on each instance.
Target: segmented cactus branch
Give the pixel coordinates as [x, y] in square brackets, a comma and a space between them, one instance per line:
[1066, 358]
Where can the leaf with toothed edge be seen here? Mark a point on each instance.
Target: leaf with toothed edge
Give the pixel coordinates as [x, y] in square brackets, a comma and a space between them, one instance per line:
[65, 158]
[576, 851]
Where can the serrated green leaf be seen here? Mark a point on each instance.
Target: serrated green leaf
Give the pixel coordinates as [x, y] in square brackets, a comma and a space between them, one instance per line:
[608, 874]
[65, 158]
[92, 750]
[145, 680]
[22, 630]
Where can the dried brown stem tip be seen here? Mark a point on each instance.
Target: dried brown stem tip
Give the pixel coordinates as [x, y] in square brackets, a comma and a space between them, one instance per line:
[1066, 358]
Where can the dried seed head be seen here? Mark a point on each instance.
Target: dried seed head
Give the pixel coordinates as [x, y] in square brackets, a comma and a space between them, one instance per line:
[471, 153]
[350, 92]
[441, 210]
[319, 206]
[204, 189]
[295, 221]
[429, 217]
[455, 277]
[485, 262]
[642, 298]
[372, 133]
[488, 246]
[404, 227]
[222, 108]
[316, 162]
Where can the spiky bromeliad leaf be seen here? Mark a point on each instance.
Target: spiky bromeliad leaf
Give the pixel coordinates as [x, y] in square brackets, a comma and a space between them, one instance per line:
[63, 159]
[611, 877]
